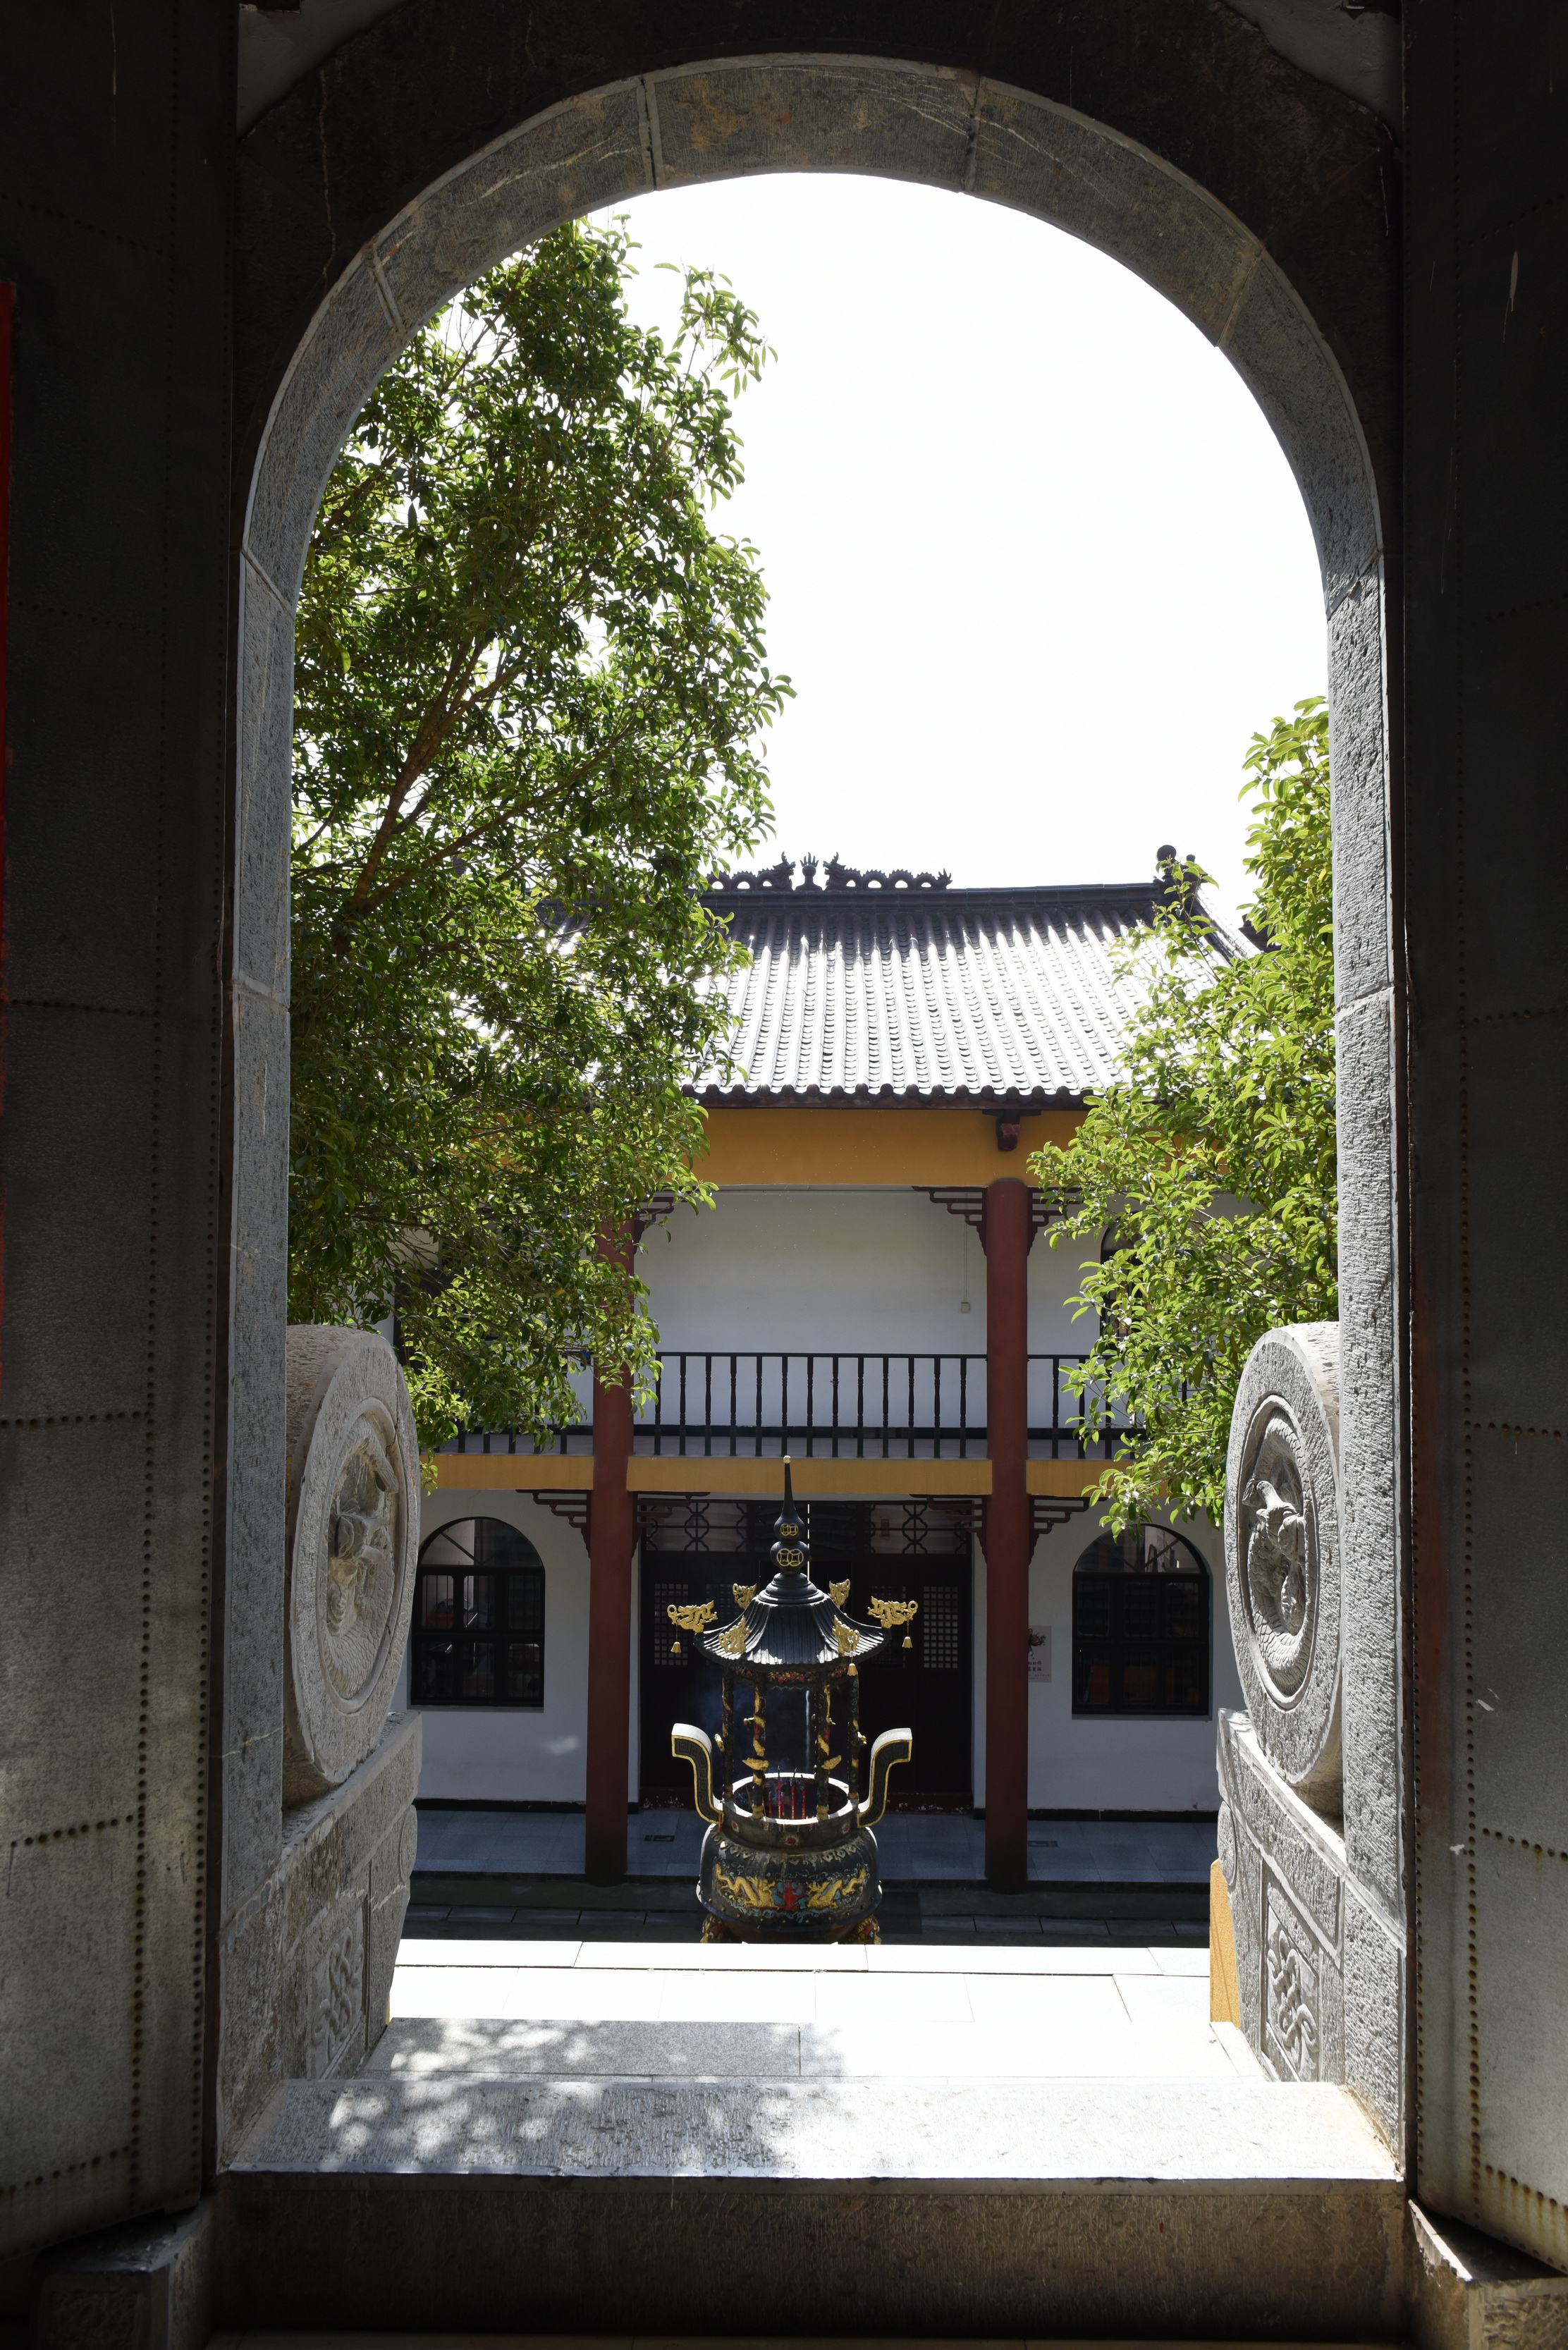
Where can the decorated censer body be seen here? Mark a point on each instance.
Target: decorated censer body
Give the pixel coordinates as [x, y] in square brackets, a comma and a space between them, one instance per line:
[789, 1855]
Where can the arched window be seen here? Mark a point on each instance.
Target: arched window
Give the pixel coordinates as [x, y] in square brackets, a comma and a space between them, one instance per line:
[1140, 1626]
[479, 1618]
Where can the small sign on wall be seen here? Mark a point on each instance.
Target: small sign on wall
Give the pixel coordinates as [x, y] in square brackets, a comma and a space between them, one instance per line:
[1039, 1652]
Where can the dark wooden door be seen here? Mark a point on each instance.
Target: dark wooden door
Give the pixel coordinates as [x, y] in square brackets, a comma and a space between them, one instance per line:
[679, 1683]
[928, 1686]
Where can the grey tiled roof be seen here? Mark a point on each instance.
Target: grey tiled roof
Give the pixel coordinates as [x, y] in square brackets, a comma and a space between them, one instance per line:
[927, 994]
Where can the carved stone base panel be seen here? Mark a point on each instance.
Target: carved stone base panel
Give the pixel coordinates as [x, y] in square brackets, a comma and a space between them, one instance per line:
[1302, 2035]
[307, 1963]
[1319, 1966]
[1283, 1553]
[353, 1540]
[1375, 2011]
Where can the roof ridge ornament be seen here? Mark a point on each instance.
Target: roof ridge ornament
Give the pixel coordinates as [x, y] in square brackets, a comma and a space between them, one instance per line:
[836, 876]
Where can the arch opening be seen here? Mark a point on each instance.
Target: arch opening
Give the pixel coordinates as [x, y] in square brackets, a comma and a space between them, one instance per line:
[930, 125]
[739, 118]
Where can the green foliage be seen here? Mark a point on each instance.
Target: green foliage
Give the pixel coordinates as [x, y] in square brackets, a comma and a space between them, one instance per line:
[1210, 1162]
[530, 686]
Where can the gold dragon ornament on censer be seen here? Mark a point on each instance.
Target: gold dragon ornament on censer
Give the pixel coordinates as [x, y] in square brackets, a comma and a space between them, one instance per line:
[789, 1855]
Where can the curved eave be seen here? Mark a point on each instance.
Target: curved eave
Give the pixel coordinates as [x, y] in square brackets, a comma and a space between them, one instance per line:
[984, 1098]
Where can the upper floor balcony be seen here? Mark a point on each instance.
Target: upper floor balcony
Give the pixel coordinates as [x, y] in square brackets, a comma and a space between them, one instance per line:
[849, 1406]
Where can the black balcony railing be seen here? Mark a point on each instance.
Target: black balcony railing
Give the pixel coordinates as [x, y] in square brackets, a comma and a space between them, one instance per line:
[834, 1407]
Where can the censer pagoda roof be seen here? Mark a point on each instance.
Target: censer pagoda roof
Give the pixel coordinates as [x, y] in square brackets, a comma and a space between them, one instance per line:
[792, 1623]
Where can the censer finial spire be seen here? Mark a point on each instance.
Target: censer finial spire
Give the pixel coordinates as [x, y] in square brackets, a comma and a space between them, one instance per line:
[791, 1550]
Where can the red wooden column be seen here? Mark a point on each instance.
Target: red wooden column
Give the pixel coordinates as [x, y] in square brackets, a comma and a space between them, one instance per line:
[612, 1536]
[1007, 1231]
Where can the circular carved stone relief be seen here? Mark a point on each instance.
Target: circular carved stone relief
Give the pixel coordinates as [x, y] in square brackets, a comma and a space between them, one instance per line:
[353, 1538]
[1282, 1553]
[1225, 1845]
[1280, 1566]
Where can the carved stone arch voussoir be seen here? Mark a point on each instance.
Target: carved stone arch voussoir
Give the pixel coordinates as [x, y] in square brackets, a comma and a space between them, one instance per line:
[1283, 1550]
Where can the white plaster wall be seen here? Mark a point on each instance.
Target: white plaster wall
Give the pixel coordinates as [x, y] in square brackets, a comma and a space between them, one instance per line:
[515, 1755]
[1127, 1765]
[505, 1755]
[838, 1269]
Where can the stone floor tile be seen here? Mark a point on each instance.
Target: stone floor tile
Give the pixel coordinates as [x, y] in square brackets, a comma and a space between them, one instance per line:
[1179, 1960]
[739, 1998]
[575, 2049]
[463, 1991]
[895, 2001]
[1076, 2007]
[492, 1952]
[1163, 2003]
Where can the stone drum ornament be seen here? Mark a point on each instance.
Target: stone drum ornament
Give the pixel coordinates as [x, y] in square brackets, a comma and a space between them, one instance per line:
[353, 1539]
[1282, 1554]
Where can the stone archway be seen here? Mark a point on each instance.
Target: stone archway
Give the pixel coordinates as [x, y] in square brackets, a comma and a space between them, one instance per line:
[944, 127]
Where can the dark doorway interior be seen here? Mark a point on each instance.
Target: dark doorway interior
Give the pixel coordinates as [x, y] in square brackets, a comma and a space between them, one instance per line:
[700, 1549]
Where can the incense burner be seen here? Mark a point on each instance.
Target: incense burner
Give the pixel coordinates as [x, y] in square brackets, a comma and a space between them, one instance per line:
[789, 1855]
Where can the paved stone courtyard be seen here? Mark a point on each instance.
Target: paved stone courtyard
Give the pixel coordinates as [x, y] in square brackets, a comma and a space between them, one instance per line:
[918, 1848]
[1109, 1883]
[568, 2009]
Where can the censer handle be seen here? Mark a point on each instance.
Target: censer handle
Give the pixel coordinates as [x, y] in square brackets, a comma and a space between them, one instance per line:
[892, 1746]
[688, 1744]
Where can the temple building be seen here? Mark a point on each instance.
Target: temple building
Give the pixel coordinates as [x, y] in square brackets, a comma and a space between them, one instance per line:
[873, 1291]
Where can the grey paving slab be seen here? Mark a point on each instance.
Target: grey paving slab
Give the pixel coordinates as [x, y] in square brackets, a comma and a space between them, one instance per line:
[515, 1951]
[951, 2045]
[1177, 1961]
[929, 2133]
[501, 2050]
[1088, 1956]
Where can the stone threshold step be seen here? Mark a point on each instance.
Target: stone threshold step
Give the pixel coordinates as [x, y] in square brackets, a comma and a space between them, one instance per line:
[248, 2340]
[1238, 2212]
[907, 2135]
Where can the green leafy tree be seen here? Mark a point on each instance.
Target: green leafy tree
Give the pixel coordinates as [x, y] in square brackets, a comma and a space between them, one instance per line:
[531, 685]
[1207, 1169]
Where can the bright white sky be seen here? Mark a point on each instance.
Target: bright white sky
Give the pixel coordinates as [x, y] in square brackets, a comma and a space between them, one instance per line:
[1037, 566]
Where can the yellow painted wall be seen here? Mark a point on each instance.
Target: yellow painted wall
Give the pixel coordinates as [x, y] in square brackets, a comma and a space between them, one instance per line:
[1061, 1477]
[786, 1143]
[812, 1479]
[529, 1473]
